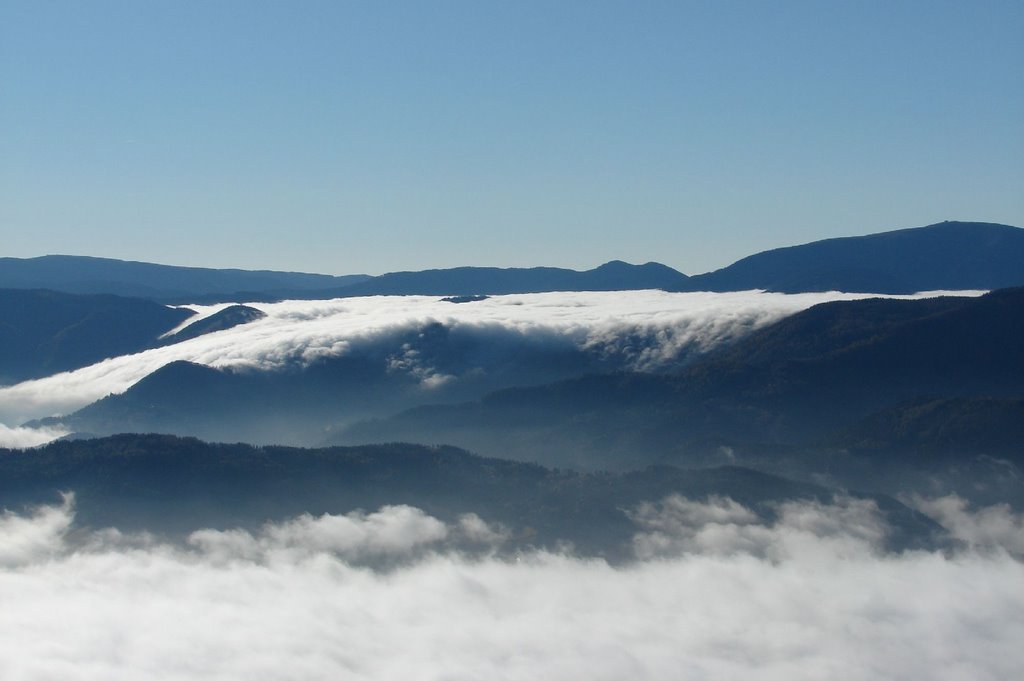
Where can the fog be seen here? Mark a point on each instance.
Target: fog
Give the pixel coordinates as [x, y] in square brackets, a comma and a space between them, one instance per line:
[995, 527]
[632, 330]
[715, 592]
[20, 437]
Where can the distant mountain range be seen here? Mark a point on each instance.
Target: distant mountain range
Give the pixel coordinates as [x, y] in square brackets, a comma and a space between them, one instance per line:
[945, 256]
[165, 283]
[612, 276]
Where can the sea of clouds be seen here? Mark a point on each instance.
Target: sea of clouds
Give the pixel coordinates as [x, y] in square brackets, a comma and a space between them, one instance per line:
[715, 592]
[633, 330]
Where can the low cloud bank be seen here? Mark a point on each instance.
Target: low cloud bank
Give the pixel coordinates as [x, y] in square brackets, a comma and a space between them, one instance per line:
[721, 527]
[714, 600]
[394, 533]
[992, 528]
[21, 437]
[636, 330]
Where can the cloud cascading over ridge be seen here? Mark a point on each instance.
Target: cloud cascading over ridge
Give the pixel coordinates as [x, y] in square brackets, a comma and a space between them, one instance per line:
[807, 596]
[637, 330]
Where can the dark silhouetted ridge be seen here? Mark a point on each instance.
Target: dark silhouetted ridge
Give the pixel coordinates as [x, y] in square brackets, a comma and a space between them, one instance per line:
[82, 274]
[169, 484]
[944, 256]
[612, 276]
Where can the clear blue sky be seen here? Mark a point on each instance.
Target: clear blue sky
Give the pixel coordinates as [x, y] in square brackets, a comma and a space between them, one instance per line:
[372, 136]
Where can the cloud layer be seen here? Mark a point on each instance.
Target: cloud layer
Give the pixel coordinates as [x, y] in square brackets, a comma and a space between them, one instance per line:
[641, 330]
[994, 528]
[20, 437]
[293, 601]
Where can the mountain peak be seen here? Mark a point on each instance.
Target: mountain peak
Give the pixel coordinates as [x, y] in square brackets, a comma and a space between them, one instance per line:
[946, 255]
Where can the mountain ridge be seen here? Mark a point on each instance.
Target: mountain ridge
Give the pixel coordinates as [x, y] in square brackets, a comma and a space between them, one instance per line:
[134, 480]
[471, 280]
[951, 255]
[166, 283]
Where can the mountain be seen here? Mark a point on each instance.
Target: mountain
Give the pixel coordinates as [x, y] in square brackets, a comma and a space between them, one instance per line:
[941, 427]
[945, 256]
[468, 281]
[46, 332]
[193, 399]
[970, 348]
[227, 318]
[791, 383]
[167, 283]
[172, 485]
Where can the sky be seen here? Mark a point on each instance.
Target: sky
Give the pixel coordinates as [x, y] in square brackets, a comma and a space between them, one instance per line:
[345, 137]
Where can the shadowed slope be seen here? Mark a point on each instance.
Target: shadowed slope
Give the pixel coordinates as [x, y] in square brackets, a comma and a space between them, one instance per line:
[46, 332]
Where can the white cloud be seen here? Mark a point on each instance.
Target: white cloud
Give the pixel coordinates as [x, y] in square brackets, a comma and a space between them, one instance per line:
[20, 437]
[722, 527]
[27, 539]
[115, 611]
[476, 530]
[393, 531]
[992, 527]
[634, 329]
